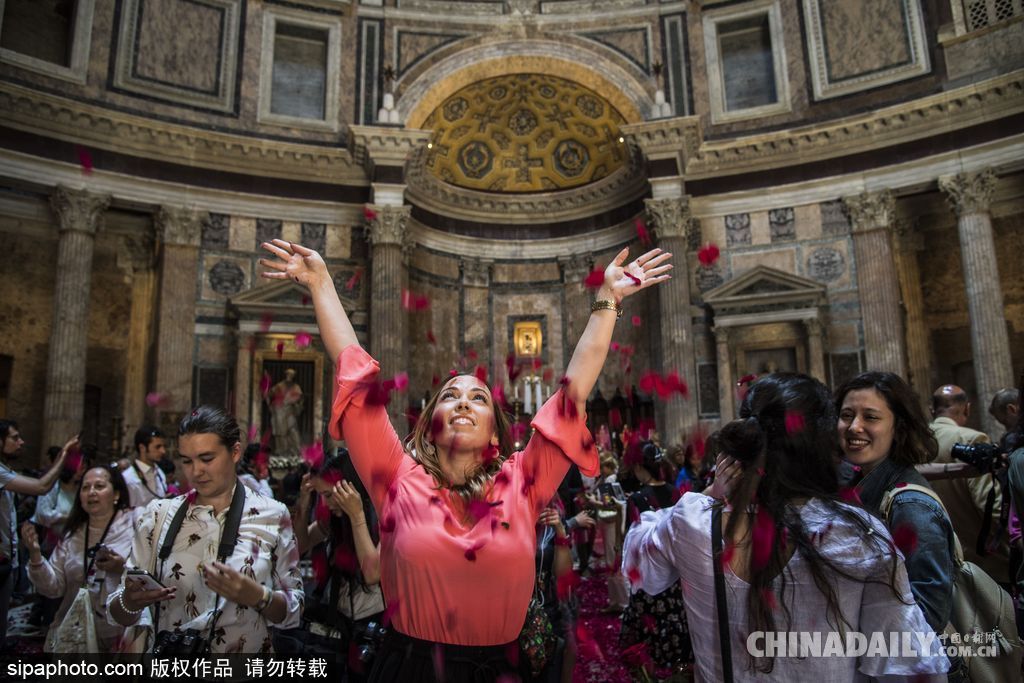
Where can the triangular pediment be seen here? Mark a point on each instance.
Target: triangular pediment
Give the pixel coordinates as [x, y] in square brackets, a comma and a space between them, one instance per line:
[764, 285]
[283, 296]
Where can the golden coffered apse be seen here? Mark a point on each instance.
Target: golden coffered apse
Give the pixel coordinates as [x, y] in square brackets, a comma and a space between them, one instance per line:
[524, 133]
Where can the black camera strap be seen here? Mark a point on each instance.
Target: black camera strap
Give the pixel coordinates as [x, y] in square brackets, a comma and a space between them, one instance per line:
[87, 561]
[228, 539]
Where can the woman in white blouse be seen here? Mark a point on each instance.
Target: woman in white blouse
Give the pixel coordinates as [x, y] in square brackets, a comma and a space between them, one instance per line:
[230, 600]
[97, 537]
[797, 560]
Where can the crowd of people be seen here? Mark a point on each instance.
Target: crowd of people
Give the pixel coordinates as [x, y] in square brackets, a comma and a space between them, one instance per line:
[453, 556]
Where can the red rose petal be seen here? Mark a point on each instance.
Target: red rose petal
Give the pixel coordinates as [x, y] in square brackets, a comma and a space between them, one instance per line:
[763, 539]
[634, 278]
[480, 372]
[266, 320]
[708, 254]
[641, 232]
[303, 339]
[84, 159]
[595, 279]
[636, 321]
[280, 349]
[794, 422]
[430, 337]
[354, 280]
[369, 214]
[313, 454]
[905, 538]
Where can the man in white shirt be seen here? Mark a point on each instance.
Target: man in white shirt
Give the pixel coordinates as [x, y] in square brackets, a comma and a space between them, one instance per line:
[146, 481]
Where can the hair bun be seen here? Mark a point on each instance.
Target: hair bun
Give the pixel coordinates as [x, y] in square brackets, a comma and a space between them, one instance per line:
[743, 439]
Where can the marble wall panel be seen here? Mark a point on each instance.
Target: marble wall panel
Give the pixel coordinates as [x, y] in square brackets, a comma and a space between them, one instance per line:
[242, 234]
[828, 263]
[843, 337]
[338, 241]
[783, 259]
[313, 235]
[526, 272]
[291, 231]
[633, 42]
[269, 229]
[224, 276]
[436, 264]
[760, 228]
[217, 351]
[713, 230]
[808, 221]
[834, 220]
[216, 231]
[738, 232]
[409, 45]
[782, 225]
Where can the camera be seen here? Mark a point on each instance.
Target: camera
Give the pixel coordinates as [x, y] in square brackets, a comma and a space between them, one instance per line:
[91, 552]
[180, 643]
[982, 456]
[366, 640]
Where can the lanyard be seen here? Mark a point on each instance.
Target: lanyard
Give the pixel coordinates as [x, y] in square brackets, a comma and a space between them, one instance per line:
[87, 561]
[142, 479]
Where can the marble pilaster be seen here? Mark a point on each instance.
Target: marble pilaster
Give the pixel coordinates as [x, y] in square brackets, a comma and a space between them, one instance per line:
[476, 281]
[136, 260]
[178, 229]
[79, 215]
[815, 348]
[872, 216]
[908, 243]
[386, 231]
[673, 226]
[577, 299]
[726, 390]
[970, 195]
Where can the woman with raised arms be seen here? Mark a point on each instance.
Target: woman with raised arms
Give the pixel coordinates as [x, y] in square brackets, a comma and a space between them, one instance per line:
[457, 506]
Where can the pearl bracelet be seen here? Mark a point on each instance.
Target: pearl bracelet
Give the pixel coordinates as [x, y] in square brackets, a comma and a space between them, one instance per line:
[124, 607]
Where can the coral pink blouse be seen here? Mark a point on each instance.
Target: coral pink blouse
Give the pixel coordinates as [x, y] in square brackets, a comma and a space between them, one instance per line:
[446, 580]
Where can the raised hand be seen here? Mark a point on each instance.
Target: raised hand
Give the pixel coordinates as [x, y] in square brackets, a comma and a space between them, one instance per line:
[294, 262]
[349, 500]
[649, 269]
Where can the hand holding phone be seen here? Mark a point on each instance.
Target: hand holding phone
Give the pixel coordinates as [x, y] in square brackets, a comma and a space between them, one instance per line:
[143, 580]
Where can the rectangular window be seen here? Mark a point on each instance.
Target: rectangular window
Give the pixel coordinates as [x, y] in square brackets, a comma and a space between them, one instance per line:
[47, 36]
[746, 61]
[300, 72]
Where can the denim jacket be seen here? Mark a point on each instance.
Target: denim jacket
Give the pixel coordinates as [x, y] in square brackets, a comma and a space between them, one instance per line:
[930, 562]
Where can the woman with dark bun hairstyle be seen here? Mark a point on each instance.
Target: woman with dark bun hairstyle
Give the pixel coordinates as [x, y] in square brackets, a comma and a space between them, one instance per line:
[795, 557]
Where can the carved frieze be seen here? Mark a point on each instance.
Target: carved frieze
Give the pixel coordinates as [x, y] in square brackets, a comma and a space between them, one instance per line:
[78, 210]
[388, 225]
[969, 193]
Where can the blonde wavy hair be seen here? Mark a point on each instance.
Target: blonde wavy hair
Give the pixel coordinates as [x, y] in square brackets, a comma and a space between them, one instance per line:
[478, 481]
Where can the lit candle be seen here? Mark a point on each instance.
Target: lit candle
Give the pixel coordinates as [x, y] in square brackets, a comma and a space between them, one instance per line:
[516, 392]
[527, 398]
[423, 404]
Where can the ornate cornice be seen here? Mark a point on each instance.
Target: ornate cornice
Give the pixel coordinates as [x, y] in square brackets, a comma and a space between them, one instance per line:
[384, 145]
[63, 119]
[670, 217]
[179, 225]
[924, 117]
[969, 193]
[78, 210]
[388, 225]
[870, 210]
[617, 189]
[678, 138]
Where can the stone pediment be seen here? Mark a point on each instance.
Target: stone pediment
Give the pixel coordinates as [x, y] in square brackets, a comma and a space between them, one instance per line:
[282, 298]
[762, 288]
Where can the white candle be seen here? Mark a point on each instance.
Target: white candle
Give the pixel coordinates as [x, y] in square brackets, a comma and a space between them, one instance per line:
[527, 398]
[423, 404]
[537, 388]
[516, 392]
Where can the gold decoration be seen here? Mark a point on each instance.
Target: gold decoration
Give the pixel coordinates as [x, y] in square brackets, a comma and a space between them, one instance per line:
[524, 133]
[529, 341]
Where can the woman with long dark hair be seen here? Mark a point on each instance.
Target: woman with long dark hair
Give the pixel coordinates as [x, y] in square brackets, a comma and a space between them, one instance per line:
[795, 557]
[457, 506]
[91, 553]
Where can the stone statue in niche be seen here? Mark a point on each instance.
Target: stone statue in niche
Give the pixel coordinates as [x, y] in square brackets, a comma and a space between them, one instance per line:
[285, 401]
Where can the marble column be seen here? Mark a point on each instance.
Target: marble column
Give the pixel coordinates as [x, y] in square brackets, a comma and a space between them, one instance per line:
[871, 215]
[79, 215]
[726, 388]
[244, 412]
[908, 243]
[136, 259]
[815, 348]
[673, 226]
[577, 303]
[970, 195]
[179, 230]
[386, 232]
[476, 282]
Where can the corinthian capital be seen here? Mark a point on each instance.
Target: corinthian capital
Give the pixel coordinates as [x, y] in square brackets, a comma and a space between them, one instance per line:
[387, 225]
[476, 272]
[78, 210]
[969, 193]
[870, 210]
[180, 225]
[670, 216]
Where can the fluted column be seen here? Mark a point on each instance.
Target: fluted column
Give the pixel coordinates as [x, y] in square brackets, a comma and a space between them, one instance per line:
[673, 226]
[815, 348]
[386, 231]
[908, 243]
[179, 231]
[79, 215]
[970, 195]
[871, 215]
[577, 299]
[726, 390]
[136, 259]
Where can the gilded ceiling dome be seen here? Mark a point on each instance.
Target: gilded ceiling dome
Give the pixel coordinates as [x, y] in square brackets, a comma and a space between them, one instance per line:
[524, 133]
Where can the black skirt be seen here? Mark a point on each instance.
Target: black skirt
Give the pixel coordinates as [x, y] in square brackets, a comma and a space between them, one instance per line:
[404, 659]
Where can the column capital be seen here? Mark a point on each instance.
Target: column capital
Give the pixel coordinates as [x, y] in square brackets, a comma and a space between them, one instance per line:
[870, 210]
[969, 193]
[78, 210]
[387, 225]
[476, 272]
[575, 268]
[180, 225]
[670, 216]
[722, 335]
[813, 326]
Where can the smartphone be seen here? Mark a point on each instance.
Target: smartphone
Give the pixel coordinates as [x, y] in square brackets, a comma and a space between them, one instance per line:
[148, 581]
